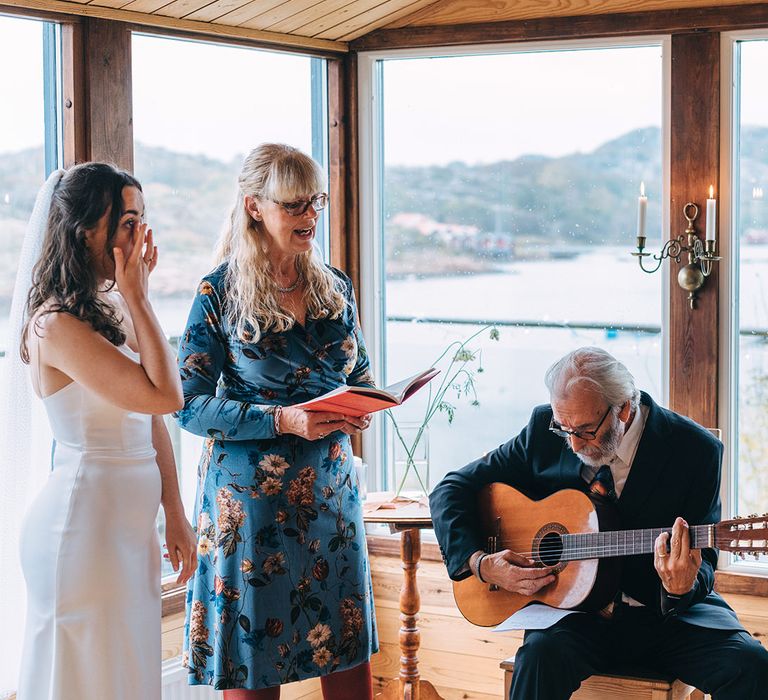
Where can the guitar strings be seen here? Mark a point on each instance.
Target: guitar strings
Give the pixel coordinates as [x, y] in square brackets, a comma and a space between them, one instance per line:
[567, 552]
[697, 531]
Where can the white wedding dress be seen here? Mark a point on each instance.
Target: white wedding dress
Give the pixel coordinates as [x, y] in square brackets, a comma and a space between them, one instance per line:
[91, 560]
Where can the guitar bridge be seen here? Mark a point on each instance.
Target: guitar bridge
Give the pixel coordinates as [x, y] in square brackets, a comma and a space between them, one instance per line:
[493, 546]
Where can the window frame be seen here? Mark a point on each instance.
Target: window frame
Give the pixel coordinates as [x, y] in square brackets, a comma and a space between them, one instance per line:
[728, 405]
[320, 139]
[370, 111]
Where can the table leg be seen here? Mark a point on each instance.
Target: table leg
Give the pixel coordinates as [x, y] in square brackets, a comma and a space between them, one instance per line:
[409, 685]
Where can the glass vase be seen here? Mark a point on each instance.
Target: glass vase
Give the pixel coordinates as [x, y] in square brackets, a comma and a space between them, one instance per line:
[410, 452]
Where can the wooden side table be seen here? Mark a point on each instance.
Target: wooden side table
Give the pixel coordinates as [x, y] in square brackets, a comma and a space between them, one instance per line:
[408, 518]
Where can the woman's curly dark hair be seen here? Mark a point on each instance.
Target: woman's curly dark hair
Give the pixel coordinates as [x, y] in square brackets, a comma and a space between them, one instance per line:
[63, 276]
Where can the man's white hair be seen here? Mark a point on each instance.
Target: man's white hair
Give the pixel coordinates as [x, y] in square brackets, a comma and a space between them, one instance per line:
[592, 369]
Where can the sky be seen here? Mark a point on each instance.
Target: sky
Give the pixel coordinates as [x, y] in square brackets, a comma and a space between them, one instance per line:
[222, 101]
[486, 108]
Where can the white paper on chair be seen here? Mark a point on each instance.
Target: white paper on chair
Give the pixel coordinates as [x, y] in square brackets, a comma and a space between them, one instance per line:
[535, 616]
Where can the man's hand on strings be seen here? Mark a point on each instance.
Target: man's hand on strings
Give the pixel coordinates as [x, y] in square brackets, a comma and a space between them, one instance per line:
[515, 572]
[674, 560]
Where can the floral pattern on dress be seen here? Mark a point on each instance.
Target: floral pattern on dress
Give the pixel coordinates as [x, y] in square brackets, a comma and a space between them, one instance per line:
[282, 590]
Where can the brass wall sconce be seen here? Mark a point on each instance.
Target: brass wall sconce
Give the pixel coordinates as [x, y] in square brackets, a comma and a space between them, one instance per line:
[700, 255]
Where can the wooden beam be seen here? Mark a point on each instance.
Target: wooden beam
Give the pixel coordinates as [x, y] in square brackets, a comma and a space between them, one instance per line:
[29, 13]
[225, 40]
[706, 19]
[75, 132]
[337, 156]
[695, 164]
[109, 109]
[344, 176]
[149, 21]
[462, 12]
[352, 180]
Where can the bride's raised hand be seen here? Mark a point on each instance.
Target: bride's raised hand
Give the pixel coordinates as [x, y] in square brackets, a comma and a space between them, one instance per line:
[132, 271]
[150, 251]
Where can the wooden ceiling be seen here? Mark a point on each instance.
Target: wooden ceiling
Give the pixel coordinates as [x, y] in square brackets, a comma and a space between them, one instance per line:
[327, 25]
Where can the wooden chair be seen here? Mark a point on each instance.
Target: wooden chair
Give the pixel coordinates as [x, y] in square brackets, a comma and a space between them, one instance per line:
[632, 684]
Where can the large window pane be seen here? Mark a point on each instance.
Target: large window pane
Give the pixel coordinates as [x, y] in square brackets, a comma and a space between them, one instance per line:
[198, 109]
[751, 237]
[509, 188]
[29, 115]
[22, 143]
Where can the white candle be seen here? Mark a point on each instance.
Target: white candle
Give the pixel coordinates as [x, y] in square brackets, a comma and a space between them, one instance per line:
[642, 207]
[711, 214]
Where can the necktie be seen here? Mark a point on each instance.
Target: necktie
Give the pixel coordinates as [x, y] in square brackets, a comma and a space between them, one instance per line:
[602, 484]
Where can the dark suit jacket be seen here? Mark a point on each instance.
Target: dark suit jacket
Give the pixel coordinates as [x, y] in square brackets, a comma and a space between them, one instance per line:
[676, 472]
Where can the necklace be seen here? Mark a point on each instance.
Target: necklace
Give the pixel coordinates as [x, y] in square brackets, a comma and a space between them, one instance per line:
[292, 287]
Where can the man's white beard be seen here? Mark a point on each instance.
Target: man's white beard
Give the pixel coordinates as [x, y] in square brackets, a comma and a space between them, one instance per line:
[605, 451]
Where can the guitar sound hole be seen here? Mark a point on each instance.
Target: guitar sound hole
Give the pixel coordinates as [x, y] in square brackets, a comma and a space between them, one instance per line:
[550, 549]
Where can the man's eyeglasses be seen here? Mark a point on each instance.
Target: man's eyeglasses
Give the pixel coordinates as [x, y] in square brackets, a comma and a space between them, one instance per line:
[581, 434]
[300, 206]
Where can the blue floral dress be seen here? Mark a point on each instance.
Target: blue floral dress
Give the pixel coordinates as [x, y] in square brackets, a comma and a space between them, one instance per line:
[282, 590]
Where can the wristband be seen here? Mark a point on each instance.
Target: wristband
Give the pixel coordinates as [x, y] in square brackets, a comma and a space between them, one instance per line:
[276, 418]
[478, 563]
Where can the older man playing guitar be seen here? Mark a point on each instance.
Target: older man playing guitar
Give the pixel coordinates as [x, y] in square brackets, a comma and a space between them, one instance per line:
[601, 436]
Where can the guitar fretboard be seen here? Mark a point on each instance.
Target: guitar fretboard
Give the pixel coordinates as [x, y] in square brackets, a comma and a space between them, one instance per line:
[622, 543]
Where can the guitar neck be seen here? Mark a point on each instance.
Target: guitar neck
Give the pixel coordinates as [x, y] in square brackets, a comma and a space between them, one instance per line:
[622, 543]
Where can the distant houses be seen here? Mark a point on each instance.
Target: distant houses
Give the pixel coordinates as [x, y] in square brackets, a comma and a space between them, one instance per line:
[462, 238]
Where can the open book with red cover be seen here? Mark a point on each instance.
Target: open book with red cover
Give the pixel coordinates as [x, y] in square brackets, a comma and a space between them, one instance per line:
[359, 400]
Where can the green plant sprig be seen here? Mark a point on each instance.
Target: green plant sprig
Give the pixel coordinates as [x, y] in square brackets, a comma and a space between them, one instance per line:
[456, 377]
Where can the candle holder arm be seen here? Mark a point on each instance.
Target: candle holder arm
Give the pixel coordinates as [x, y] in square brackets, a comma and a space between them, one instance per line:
[673, 248]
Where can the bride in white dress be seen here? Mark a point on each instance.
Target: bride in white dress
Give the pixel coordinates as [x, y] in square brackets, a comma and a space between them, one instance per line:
[106, 374]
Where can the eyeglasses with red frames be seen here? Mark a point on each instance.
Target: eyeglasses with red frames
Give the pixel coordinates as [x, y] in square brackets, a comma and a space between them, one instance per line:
[318, 202]
[581, 434]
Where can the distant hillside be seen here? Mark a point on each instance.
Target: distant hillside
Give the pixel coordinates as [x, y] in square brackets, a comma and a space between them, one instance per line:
[584, 197]
[576, 199]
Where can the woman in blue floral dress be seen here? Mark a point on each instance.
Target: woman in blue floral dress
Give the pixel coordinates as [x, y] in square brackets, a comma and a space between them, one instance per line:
[283, 590]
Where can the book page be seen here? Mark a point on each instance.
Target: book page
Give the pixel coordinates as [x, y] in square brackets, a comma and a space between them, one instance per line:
[535, 616]
[401, 390]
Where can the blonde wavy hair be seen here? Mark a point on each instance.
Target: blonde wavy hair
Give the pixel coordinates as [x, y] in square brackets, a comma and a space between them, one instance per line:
[278, 172]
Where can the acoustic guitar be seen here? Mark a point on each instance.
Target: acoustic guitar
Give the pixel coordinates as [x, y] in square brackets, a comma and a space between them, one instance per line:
[579, 537]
